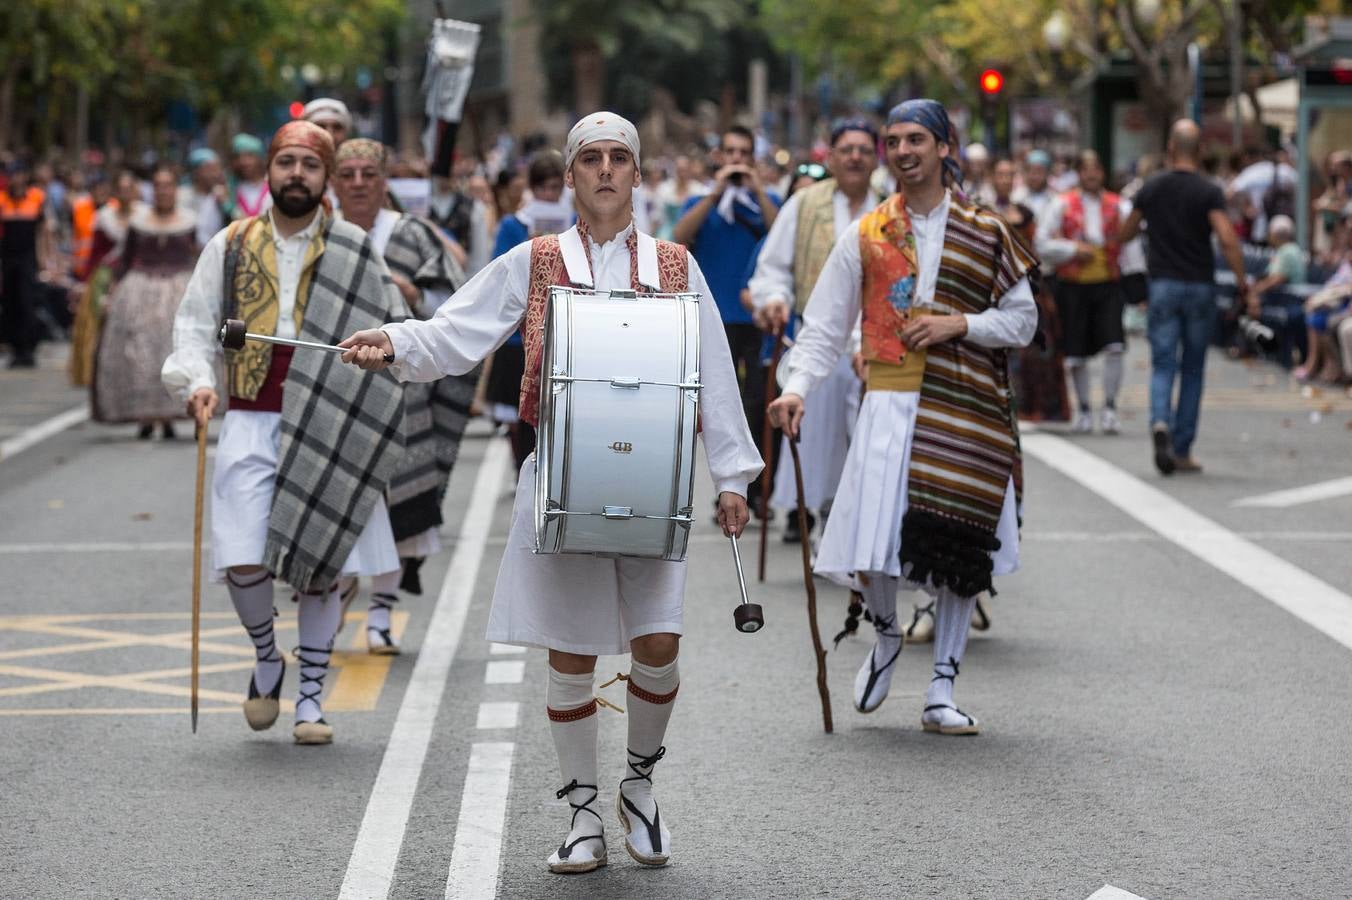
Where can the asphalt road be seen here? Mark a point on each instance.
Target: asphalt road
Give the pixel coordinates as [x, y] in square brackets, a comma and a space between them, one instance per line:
[1164, 696]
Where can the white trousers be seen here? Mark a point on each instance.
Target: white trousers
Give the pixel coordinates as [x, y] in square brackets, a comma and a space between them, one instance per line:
[241, 500]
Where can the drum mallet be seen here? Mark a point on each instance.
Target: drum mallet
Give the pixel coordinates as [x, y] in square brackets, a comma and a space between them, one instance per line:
[233, 335]
[747, 616]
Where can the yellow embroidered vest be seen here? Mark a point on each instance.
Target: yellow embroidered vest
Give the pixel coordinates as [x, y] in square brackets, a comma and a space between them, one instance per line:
[252, 295]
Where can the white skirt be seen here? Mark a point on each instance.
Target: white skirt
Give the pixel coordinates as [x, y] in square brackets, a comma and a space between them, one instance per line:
[589, 605]
[828, 419]
[241, 501]
[864, 531]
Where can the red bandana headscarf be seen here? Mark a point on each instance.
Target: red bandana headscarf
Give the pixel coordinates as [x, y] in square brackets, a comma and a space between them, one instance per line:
[303, 134]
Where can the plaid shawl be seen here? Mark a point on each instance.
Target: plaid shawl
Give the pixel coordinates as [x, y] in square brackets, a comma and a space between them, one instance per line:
[435, 413]
[342, 428]
[965, 447]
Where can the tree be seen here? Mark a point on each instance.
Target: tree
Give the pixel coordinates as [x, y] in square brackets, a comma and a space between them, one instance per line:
[137, 56]
[597, 31]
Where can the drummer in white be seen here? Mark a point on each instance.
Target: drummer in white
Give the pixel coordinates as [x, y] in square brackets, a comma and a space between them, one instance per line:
[579, 607]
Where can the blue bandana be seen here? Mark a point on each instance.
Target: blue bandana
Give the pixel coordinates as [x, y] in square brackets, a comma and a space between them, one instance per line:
[840, 126]
[931, 115]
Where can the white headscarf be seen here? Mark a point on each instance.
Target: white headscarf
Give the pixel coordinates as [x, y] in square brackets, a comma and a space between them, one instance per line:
[327, 109]
[600, 126]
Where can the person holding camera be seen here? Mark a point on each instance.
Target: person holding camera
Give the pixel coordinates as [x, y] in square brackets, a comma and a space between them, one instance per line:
[723, 230]
[1183, 208]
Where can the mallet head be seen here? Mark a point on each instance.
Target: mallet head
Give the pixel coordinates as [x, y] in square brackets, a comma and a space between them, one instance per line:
[232, 334]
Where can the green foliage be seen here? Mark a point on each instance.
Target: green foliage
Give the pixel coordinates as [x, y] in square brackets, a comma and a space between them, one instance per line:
[143, 54]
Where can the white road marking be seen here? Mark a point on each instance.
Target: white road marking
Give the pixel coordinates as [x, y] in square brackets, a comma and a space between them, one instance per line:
[1298, 592]
[478, 834]
[498, 715]
[370, 871]
[1324, 490]
[505, 649]
[1108, 892]
[41, 431]
[505, 671]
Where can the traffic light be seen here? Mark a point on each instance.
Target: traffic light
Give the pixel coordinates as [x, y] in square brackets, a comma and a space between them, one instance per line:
[297, 109]
[992, 82]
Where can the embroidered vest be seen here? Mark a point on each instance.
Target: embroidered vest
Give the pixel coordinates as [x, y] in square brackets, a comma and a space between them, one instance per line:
[251, 284]
[1103, 266]
[547, 270]
[815, 237]
[890, 277]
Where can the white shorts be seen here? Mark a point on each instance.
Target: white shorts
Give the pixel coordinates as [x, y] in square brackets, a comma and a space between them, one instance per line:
[589, 605]
[241, 500]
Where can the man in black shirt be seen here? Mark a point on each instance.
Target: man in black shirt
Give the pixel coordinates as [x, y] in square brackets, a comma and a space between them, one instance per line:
[1182, 209]
[25, 246]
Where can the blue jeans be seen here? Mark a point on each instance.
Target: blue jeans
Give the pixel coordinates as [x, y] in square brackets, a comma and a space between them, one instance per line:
[1179, 323]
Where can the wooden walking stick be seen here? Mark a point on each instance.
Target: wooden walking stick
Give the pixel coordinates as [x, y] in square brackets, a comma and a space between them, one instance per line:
[817, 647]
[767, 446]
[202, 420]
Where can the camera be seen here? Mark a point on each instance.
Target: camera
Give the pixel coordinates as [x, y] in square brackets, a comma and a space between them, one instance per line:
[1257, 335]
[735, 179]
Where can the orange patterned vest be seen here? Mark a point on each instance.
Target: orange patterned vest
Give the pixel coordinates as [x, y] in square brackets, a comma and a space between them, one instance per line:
[547, 270]
[1103, 266]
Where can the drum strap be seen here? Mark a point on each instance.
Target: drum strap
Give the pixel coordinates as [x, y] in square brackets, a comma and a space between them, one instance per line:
[579, 266]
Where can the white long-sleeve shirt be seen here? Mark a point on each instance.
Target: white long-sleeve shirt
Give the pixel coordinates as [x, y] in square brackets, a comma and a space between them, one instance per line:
[485, 312]
[835, 303]
[773, 278]
[196, 345]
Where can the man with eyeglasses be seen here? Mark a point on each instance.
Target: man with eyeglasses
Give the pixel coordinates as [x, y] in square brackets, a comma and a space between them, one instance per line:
[786, 272]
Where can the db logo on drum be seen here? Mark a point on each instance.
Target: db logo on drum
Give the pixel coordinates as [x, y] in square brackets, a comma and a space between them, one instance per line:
[621, 447]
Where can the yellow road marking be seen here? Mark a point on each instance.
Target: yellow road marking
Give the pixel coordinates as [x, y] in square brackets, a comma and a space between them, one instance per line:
[355, 682]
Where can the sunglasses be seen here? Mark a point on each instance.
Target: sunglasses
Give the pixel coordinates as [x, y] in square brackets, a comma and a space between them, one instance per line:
[811, 170]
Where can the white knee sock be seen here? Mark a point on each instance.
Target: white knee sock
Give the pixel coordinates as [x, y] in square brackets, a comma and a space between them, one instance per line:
[652, 696]
[319, 616]
[1078, 367]
[384, 594]
[252, 596]
[1112, 375]
[952, 619]
[880, 593]
[572, 723]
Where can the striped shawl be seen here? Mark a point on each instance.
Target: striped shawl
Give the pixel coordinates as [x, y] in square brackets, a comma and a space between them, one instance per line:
[342, 428]
[965, 448]
[435, 413]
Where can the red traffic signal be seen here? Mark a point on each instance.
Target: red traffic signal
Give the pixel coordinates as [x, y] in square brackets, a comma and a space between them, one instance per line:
[992, 82]
[297, 109]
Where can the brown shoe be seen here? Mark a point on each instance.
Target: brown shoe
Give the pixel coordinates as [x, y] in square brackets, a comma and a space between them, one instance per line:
[1187, 466]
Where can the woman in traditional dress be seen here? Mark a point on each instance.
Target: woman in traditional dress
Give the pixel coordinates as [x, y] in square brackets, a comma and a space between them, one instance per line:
[157, 259]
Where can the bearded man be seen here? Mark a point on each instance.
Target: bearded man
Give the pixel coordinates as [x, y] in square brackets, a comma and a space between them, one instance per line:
[301, 470]
[575, 606]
